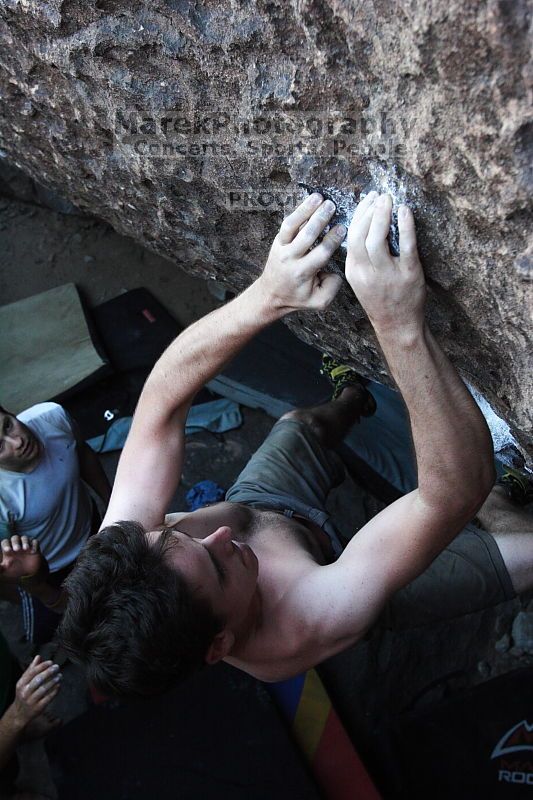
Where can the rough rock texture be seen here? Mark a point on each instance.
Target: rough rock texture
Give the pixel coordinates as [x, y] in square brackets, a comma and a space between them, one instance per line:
[189, 125]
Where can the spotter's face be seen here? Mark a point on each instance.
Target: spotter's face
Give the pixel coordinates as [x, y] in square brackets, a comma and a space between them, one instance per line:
[20, 449]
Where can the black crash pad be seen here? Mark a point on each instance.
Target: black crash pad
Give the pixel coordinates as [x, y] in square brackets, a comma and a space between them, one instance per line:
[477, 745]
[135, 329]
[217, 738]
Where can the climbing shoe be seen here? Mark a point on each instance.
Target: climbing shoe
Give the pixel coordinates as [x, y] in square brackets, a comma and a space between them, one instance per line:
[340, 376]
[518, 487]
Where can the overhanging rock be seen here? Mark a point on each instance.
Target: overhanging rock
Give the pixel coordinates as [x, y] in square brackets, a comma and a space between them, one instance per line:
[189, 126]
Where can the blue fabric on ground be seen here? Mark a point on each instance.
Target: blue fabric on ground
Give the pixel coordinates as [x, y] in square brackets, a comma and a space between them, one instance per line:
[203, 493]
[113, 438]
[217, 416]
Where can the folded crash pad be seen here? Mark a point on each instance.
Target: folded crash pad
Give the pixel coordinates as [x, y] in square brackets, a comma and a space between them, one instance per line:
[46, 348]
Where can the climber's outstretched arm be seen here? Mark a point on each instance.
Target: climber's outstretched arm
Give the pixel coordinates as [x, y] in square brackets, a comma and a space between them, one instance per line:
[339, 602]
[151, 462]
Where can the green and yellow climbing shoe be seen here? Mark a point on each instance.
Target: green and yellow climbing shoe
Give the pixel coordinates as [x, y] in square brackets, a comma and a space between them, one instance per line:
[340, 376]
[519, 487]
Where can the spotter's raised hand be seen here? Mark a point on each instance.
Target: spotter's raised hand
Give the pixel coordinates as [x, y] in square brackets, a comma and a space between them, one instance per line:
[21, 557]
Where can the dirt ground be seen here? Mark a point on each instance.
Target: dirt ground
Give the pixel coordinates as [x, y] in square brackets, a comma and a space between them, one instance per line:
[41, 248]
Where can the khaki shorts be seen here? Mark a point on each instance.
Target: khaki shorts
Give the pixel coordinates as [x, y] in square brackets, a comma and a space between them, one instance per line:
[293, 473]
[468, 576]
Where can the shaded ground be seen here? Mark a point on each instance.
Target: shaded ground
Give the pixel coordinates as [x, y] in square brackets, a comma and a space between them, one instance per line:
[41, 249]
[373, 684]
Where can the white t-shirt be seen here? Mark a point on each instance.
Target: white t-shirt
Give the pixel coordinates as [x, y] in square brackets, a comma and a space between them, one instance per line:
[51, 504]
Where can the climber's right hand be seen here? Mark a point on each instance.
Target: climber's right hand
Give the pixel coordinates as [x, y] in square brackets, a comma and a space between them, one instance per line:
[293, 277]
[391, 290]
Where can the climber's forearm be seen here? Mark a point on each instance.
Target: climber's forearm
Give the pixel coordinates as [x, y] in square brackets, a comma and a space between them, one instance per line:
[452, 442]
[203, 349]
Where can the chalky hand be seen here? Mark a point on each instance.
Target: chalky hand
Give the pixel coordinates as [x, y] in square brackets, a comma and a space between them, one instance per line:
[392, 290]
[36, 689]
[293, 277]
